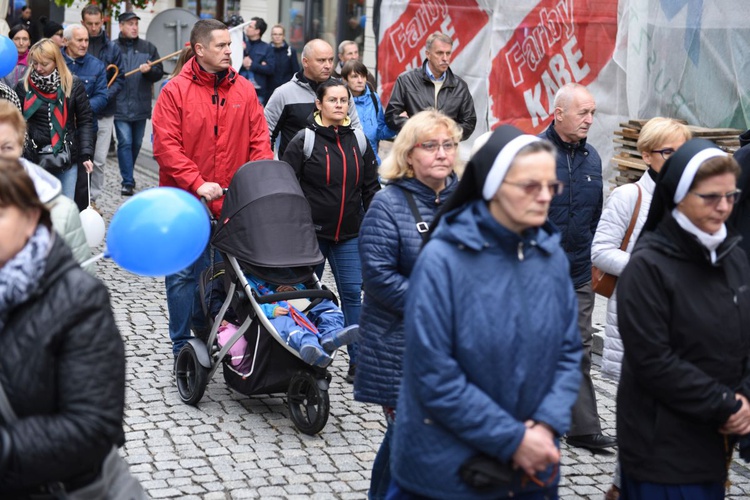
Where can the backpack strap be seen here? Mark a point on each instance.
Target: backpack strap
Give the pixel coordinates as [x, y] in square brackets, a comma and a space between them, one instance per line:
[373, 97]
[307, 148]
[309, 143]
[361, 141]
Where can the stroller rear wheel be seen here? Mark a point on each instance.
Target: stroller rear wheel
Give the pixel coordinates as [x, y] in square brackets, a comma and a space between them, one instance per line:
[191, 377]
[308, 403]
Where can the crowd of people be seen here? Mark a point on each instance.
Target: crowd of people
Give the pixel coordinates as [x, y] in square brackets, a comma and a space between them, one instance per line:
[471, 287]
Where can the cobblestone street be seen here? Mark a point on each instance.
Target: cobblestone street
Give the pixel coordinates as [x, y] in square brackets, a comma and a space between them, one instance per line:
[234, 446]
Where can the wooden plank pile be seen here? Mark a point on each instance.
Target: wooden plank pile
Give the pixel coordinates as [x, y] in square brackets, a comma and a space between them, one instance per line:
[628, 164]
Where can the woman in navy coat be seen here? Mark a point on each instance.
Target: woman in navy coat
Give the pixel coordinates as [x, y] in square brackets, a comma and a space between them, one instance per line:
[492, 360]
[421, 167]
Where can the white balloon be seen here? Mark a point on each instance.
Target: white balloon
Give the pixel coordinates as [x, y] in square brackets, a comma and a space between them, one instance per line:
[93, 226]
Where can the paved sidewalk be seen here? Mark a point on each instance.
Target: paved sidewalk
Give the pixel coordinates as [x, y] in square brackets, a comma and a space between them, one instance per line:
[234, 446]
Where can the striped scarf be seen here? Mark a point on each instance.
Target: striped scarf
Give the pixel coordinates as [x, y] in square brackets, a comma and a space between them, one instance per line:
[47, 90]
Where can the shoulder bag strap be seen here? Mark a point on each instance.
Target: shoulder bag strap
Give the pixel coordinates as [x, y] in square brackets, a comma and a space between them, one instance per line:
[422, 227]
[633, 219]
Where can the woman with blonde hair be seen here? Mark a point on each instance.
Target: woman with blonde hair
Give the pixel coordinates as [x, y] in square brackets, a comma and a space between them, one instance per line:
[421, 174]
[58, 114]
[658, 140]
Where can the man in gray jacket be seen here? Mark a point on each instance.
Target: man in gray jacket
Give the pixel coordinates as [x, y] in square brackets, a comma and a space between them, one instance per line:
[433, 85]
[291, 106]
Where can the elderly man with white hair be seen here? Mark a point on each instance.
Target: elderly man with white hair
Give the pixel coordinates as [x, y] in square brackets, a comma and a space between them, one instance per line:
[92, 73]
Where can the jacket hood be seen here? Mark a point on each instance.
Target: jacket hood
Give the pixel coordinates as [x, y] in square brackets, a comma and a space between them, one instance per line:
[47, 186]
[193, 71]
[473, 226]
[317, 123]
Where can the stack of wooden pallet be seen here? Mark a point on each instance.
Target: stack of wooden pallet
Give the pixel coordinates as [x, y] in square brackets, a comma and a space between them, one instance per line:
[628, 164]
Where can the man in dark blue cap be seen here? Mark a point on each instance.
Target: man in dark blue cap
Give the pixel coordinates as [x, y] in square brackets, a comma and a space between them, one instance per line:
[134, 101]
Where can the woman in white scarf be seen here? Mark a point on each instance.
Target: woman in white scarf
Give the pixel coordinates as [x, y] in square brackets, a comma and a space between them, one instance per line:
[684, 313]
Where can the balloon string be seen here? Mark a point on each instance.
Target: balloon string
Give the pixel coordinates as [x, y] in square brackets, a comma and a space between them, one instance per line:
[93, 259]
[88, 182]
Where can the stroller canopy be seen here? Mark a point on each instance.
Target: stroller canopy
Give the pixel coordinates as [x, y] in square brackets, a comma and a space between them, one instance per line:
[266, 219]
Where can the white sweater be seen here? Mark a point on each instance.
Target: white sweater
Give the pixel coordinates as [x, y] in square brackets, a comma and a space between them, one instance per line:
[607, 256]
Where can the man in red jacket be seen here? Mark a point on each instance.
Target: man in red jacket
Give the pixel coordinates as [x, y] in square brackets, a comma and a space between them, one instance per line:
[207, 124]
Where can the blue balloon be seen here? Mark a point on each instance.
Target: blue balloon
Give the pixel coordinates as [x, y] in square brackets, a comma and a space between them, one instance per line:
[8, 56]
[158, 232]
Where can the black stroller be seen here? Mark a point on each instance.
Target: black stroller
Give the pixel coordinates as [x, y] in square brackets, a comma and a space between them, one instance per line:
[265, 230]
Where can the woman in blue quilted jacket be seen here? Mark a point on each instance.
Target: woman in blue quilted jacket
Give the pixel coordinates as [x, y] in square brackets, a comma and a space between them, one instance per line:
[493, 353]
[421, 168]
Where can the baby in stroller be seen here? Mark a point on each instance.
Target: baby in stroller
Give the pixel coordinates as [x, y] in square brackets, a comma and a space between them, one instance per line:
[315, 332]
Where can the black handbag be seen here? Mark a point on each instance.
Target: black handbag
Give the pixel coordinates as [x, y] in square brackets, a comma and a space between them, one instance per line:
[483, 473]
[53, 163]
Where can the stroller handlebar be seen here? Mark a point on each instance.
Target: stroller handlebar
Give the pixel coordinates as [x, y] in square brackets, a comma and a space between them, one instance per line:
[298, 294]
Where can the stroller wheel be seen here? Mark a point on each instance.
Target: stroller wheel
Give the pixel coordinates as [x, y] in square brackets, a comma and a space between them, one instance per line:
[191, 377]
[308, 403]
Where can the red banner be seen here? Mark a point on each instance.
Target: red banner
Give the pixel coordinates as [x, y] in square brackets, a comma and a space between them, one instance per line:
[402, 44]
[559, 41]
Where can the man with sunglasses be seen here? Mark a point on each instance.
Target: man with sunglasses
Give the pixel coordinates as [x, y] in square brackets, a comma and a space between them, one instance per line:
[576, 213]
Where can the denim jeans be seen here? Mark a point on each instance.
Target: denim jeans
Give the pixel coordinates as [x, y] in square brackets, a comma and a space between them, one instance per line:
[129, 140]
[68, 180]
[380, 479]
[184, 300]
[347, 271]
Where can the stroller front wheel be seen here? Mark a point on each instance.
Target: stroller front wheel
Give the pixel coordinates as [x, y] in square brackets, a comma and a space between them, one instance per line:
[190, 376]
[308, 403]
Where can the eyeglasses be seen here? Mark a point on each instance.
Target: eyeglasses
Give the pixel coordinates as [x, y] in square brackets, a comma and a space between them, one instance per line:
[332, 100]
[533, 188]
[434, 146]
[713, 199]
[665, 153]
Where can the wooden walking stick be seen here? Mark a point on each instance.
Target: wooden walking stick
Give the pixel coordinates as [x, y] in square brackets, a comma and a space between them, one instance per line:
[114, 77]
[136, 70]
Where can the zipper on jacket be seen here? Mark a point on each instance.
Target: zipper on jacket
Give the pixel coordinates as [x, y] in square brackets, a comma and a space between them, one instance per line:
[343, 190]
[356, 165]
[519, 251]
[215, 100]
[328, 167]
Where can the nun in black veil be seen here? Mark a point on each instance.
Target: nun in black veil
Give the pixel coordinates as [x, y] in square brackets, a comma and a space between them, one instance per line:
[684, 309]
[492, 358]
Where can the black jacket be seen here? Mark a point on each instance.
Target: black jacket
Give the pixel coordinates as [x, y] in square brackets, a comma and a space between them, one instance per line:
[134, 100]
[685, 325]
[415, 92]
[79, 129]
[62, 364]
[337, 180]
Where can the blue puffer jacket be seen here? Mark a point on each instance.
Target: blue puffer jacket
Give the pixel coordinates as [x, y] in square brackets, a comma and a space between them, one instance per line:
[372, 119]
[492, 341]
[388, 247]
[134, 101]
[576, 212]
[91, 72]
